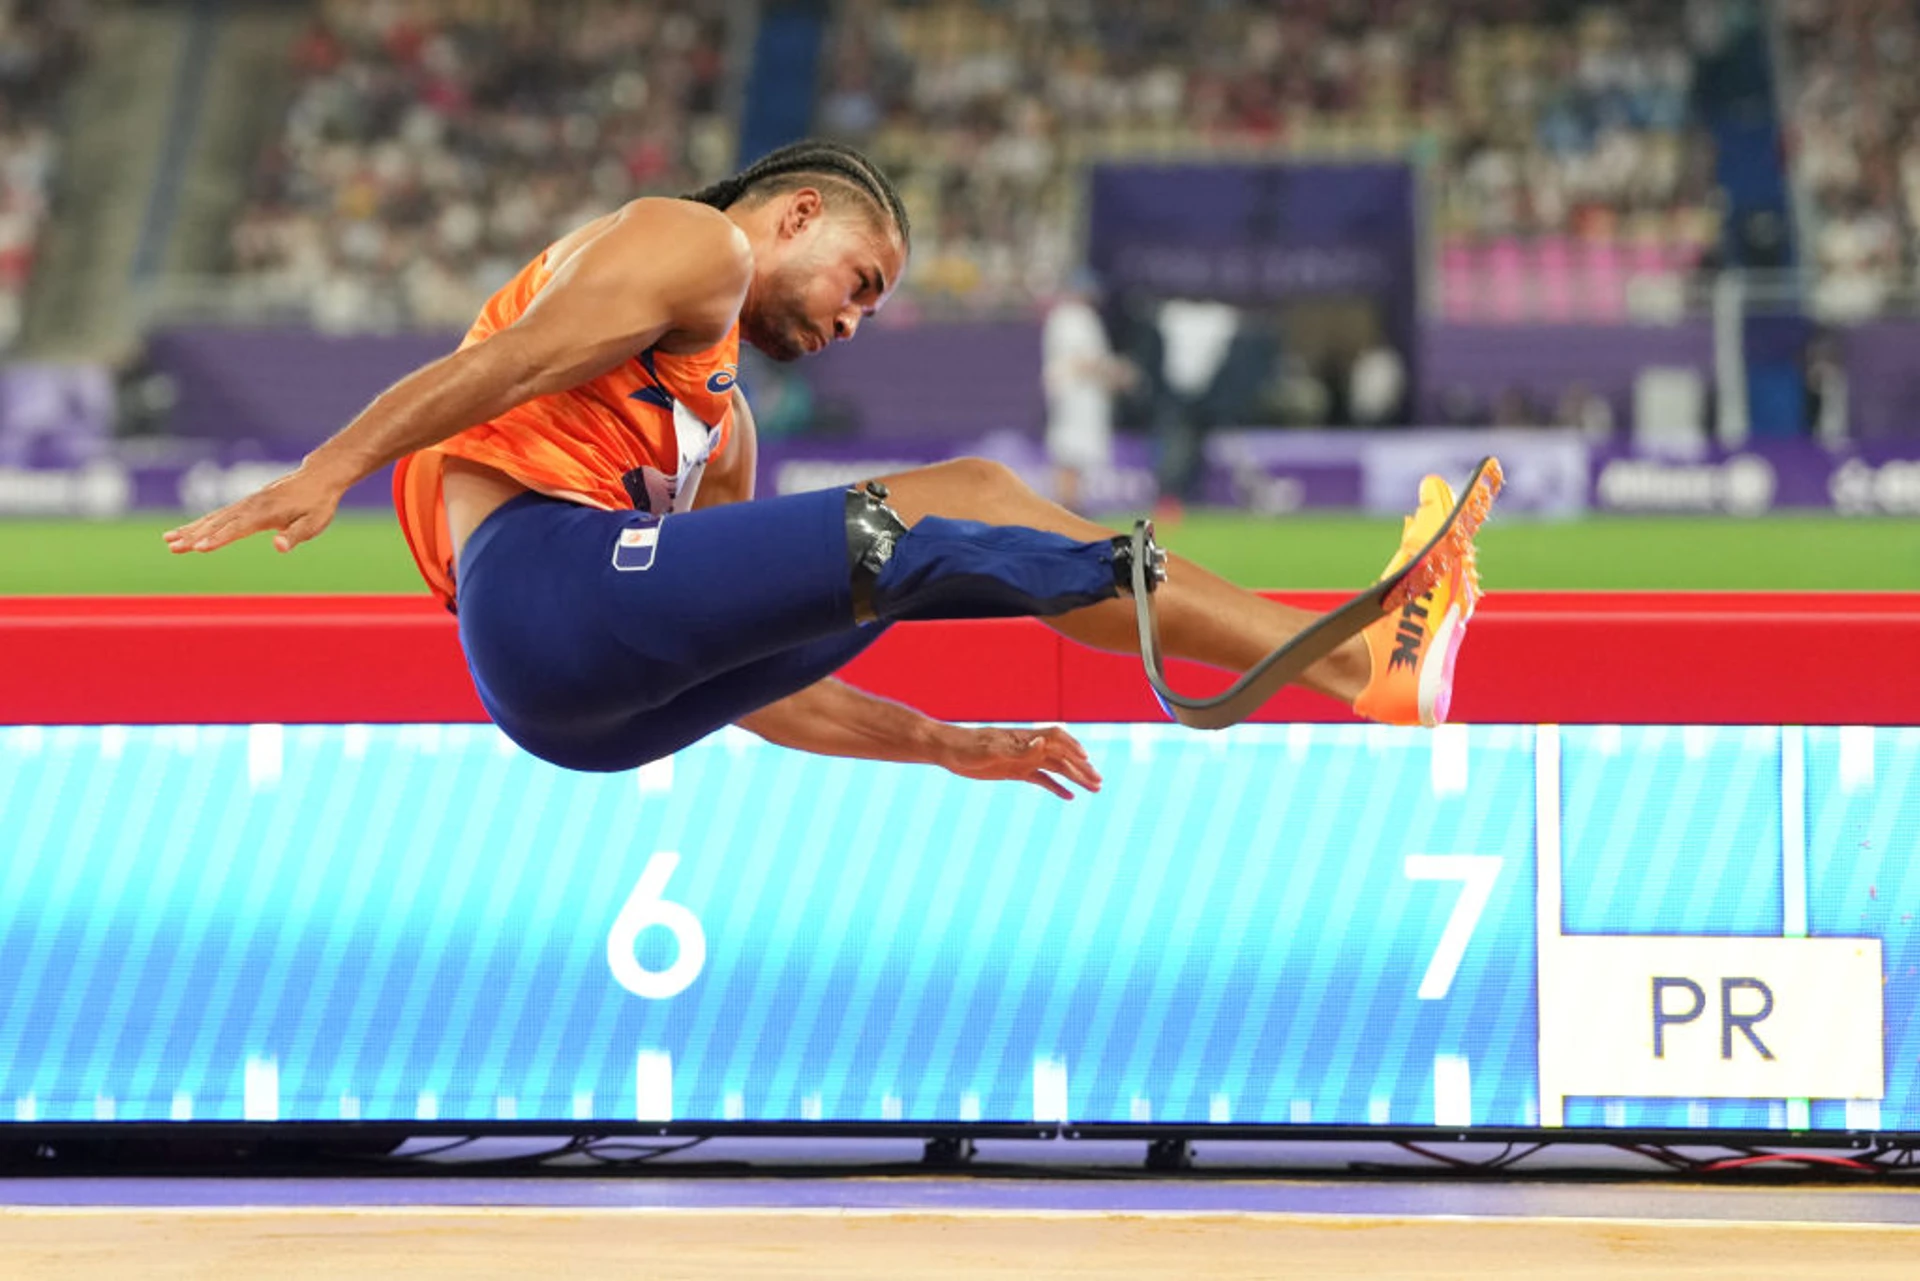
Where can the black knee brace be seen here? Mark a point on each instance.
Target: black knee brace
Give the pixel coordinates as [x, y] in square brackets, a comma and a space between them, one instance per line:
[873, 529]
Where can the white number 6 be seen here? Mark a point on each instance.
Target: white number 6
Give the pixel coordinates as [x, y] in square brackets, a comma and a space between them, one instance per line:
[643, 910]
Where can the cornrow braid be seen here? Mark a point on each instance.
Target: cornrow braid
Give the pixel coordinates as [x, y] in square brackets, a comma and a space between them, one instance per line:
[792, 164]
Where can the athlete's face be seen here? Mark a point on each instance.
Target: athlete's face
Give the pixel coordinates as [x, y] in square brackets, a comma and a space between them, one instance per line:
[827, 270]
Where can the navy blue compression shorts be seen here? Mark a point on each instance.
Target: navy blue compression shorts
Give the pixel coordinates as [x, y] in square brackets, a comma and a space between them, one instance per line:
[601, 640]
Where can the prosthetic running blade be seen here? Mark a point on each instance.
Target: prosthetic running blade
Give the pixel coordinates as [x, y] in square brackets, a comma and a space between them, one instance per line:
[1449, 545]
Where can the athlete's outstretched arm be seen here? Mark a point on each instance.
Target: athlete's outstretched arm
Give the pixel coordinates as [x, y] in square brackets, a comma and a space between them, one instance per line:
[832, 718]
[612, 297]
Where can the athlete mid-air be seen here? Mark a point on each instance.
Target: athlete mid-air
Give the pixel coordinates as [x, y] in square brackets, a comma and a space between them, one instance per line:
[574, 483]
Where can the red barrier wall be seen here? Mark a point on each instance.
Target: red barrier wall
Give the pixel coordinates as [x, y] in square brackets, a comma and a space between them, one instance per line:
[1731, 658]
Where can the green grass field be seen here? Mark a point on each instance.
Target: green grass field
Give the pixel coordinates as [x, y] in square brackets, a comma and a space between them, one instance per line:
[363, 553]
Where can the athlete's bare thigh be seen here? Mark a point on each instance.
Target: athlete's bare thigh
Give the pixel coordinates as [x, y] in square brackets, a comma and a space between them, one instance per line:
[472, 491]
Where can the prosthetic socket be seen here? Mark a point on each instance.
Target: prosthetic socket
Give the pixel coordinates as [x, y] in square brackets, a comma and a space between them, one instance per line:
[942, 568]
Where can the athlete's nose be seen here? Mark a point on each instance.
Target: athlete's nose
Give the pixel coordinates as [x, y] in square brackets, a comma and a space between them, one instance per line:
[845, 324]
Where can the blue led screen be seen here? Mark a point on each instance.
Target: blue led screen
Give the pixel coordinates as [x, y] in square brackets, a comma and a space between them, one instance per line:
[1275, 925]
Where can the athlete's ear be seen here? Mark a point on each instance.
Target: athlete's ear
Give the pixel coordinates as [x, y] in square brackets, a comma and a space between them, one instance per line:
[804, 207]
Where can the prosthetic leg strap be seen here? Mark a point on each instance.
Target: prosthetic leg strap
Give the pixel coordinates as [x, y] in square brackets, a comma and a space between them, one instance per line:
[873, 531]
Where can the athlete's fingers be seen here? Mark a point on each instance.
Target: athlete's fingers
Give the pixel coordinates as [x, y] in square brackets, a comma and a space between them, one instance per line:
[1080, 771]
[189, 537]
[1067, 747]
[1067, 740]
[303, 527]
[297, 507]
[252, 516]
[1085, 775]
[1051, 784]
[1063, 755]
[1064, 742]
[182, 538]
[195, 530]
[214, 535]
[229, 526]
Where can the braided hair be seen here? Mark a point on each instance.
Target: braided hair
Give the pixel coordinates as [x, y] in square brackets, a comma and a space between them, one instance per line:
[806, 163]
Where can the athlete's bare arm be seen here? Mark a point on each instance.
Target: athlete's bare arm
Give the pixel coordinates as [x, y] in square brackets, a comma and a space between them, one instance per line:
[831, 718]
[614, 293]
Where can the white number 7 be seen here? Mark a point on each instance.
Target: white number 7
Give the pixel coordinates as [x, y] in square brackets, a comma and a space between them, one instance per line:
[1476, 873]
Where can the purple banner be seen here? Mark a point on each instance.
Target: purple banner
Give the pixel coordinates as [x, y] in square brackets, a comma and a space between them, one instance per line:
[54, 415]
[933, 382]
[928, 382]
[290, 388]
[183, 476]
[1869, 480]
[1380, 471]
[251, 403]
[1257, 235]
[796, 465]
[295, 388]
[1470, 369]
[1883, 379]
[1549, 473]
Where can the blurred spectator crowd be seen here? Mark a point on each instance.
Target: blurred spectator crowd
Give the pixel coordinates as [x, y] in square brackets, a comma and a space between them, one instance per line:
[1854, 126]
[432, 147]
[40, 49]
[1561, 131]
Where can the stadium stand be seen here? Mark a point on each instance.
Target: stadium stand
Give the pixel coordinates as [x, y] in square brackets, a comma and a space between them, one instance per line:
[432, 147]
[420, 163]
[1566, 161]
[41, 47]
[1854, 133]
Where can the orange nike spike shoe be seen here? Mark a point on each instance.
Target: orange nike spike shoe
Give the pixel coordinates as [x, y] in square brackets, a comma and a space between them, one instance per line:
[1413, 649]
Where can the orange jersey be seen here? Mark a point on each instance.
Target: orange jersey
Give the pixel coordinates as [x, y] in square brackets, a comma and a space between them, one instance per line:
[637, 436]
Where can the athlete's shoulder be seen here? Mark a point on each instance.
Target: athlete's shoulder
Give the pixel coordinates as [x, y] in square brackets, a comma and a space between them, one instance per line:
[670, 262]
[699, 233]
[704, 279]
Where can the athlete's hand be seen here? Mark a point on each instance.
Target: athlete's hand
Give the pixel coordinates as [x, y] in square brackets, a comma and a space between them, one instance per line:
[296, 507]
[1026, 755]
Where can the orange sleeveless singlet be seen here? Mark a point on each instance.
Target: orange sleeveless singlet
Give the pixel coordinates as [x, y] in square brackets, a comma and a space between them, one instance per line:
[638, 436]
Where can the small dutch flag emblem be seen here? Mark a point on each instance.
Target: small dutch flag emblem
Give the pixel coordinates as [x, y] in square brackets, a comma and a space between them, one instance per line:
[635, 548]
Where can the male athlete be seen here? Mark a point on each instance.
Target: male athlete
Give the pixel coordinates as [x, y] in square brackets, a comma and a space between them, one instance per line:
[573, 480]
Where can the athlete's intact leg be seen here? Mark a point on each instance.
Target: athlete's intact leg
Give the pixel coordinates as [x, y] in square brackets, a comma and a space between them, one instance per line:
[586, 630]
[1202, 616]
[698, 711]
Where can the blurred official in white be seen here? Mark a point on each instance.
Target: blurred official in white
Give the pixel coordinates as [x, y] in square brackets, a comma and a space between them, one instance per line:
[1081, 375]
